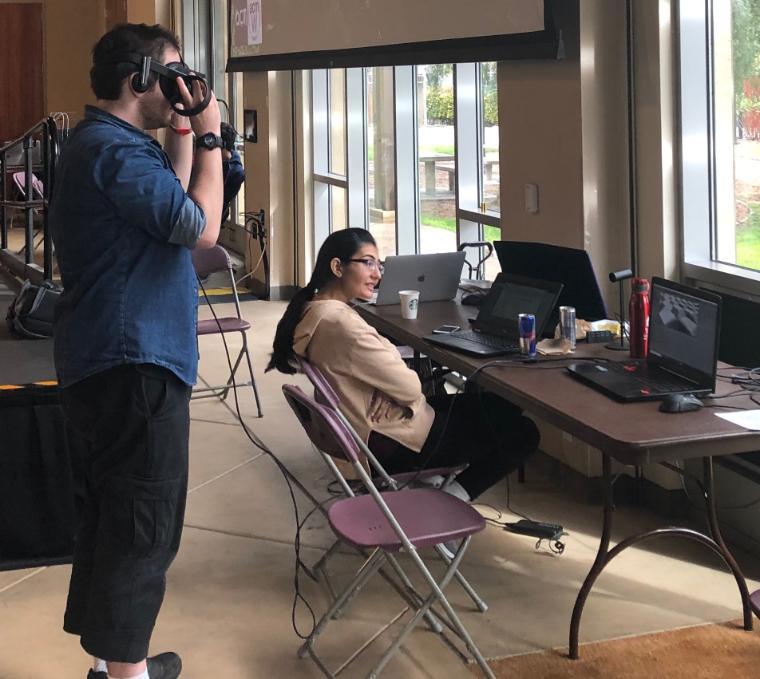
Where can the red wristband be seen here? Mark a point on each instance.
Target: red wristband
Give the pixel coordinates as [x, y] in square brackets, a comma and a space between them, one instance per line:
[181, 130]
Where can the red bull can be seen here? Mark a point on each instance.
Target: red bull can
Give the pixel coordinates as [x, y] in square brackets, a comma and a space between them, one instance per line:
[527, 327]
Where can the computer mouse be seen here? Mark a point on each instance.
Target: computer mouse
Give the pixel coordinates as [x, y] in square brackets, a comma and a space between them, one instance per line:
[680, 403]
[473, 298]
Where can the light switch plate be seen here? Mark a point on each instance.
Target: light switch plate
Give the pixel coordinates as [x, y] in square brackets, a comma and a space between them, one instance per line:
[531, 198]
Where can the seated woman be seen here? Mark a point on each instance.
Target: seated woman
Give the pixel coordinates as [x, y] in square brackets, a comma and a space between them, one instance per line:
[380, 396]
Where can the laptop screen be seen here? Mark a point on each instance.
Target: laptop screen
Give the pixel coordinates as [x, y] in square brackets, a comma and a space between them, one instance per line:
[683, 328]
[513, 300]
[511, 296]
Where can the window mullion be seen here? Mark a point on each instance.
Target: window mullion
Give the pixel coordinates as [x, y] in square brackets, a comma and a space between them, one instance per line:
[467, 149]
[407, 181]
[356, 148]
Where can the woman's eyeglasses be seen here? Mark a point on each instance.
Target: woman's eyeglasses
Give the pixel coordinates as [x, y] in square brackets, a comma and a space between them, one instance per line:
[371, 264]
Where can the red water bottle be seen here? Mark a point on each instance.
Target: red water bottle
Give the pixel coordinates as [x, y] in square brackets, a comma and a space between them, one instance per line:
[638, 318]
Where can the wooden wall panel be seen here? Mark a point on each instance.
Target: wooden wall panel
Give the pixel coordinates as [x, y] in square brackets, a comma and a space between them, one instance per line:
[116, 13]
[22, 101]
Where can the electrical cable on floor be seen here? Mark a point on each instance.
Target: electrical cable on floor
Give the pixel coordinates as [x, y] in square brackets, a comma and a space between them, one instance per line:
[258, 443]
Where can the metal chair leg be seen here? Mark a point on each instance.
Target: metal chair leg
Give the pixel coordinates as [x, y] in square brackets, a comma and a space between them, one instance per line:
[367, 570]
[250, 370]
[481, 605]
[437, 595]
[226, 389]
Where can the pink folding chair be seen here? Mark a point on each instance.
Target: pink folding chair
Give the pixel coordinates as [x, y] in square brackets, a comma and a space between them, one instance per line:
[205, 262]
[327, 396]
[386, 523]
[38, 193]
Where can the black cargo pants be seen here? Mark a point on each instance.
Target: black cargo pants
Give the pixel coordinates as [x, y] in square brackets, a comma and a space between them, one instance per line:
[129, 428]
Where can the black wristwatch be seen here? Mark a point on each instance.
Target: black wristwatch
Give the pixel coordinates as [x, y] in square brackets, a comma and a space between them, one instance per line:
[209, 141]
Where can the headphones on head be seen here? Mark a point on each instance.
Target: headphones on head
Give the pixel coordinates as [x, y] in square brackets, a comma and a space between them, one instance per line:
[147, 70]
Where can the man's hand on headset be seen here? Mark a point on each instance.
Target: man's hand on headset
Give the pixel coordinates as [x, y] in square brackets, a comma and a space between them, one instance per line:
[208, 120]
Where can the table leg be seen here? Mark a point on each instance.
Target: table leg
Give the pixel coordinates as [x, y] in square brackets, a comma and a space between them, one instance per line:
[749, 604]
[430, 177]
[605, 555]
[599, 562]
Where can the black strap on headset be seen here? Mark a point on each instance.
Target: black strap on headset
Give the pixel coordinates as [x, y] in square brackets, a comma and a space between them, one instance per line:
[167, 77]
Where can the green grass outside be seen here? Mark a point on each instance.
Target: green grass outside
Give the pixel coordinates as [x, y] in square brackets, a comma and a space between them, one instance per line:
[748, 240]
[439, 150]
[448, 150]
[490, 233]
[447, 223]
[429, 151]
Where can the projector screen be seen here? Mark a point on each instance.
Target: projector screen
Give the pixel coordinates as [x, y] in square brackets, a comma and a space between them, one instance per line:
[288, 34]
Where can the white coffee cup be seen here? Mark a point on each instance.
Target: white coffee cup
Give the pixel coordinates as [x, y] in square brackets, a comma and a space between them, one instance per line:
[410, 300]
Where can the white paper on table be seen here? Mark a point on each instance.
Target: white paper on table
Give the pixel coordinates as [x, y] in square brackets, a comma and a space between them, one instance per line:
[749, 419]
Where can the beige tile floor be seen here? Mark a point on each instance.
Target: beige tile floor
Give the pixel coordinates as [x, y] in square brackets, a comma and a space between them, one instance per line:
[230, 591]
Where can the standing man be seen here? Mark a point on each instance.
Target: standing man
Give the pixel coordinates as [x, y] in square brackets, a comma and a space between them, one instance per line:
[125, 215]
[232, 169]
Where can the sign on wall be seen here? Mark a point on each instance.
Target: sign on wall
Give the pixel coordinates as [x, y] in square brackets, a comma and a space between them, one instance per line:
[283, 28]
[245, 16]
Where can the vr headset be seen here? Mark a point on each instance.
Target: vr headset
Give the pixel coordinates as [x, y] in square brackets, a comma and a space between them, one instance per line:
[147, 70]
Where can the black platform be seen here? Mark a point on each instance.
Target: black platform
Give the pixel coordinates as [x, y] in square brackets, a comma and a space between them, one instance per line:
[36, 490]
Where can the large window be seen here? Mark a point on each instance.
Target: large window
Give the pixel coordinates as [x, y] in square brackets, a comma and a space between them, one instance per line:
[720, 149]
[329, 122]
[736, 64]
[204, 38]
[436, 158]
[381, 155]
[409, 152]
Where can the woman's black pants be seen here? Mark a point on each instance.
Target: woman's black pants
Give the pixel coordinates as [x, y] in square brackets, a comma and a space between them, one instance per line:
[482, 429]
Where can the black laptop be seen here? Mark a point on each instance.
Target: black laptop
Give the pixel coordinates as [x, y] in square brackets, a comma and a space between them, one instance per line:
[684, 331]
[495, 330]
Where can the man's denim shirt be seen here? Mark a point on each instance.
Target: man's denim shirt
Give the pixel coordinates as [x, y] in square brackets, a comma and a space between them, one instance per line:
[123, 228]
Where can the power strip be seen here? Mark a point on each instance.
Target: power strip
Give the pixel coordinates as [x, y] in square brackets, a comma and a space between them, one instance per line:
[536, 529]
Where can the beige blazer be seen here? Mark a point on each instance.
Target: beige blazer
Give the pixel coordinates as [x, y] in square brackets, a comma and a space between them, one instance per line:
[358, 363]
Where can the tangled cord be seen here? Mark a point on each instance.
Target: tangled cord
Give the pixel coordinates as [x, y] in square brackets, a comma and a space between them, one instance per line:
[258, 443]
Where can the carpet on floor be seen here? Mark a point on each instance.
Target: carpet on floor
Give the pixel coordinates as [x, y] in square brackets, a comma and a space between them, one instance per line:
[701, 652]
[221, 295]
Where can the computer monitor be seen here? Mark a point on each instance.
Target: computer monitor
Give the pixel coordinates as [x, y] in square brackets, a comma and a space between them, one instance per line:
[568, 266]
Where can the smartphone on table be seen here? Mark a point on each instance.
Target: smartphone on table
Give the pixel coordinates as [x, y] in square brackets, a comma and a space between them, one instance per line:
[446, 329]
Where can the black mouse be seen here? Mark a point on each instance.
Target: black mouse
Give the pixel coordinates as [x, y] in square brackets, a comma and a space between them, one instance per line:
[473, 298]
[680, 403]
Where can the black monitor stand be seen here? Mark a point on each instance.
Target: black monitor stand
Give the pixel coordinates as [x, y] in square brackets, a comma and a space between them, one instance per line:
[618, 277]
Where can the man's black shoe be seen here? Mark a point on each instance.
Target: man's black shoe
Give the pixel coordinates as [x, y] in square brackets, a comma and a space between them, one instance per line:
[164, 666]
[161, 666]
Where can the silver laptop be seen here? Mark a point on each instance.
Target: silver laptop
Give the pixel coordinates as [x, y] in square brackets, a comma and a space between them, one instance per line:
[436, 276]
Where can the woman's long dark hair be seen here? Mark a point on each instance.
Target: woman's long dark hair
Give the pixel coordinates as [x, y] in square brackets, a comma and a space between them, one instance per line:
[343, 244]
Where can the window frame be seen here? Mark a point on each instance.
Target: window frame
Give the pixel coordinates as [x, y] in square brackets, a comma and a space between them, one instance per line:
[697, 156]
[470, 219]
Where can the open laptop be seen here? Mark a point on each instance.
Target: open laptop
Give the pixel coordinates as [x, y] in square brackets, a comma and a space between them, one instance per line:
[436, 276]
[495, 331]
[684, 331]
